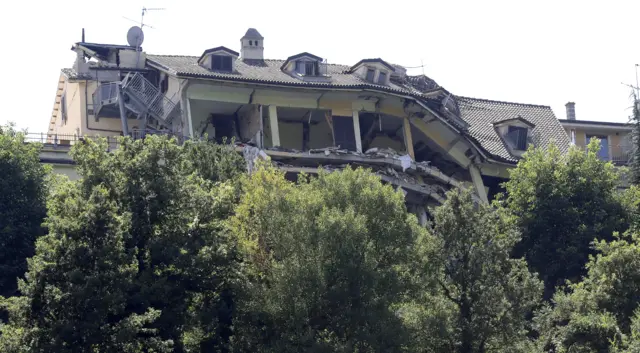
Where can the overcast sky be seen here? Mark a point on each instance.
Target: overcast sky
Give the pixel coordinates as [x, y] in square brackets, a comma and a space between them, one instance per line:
[544, 52]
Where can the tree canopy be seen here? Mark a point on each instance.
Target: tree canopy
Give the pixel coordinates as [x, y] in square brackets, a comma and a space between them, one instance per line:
[161, 247]
[561, 203]
[137, 257]
[23, 189]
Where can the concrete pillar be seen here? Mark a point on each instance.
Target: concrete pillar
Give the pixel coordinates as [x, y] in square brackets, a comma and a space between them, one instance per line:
[408, 139]
[356, 130]
[476, 177]
[273, 125]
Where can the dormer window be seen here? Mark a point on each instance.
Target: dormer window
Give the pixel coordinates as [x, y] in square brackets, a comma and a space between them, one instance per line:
[373, 70]
[518, 136]
[221, 63]
[218, 59]
[371, 73]
[382, 78]
[307, 67]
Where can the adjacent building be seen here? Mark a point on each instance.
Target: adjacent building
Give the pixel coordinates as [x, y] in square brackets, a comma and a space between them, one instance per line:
[303, 112]
[615, 138]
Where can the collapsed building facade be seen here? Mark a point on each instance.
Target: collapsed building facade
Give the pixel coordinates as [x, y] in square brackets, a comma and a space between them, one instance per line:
[303, 113]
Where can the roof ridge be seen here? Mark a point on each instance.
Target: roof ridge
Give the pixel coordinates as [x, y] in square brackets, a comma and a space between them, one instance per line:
[505, 102]
[196, 57]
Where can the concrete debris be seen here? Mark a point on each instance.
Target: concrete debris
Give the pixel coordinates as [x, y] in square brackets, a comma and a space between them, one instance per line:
[405, 162]
[328, 150]
[251, 155]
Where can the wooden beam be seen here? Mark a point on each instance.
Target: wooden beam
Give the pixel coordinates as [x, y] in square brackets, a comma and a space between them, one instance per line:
[356, 130]
[476, 177]
[408, 139]
[273, 125]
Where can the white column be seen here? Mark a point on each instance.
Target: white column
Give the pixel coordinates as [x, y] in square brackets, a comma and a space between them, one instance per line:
[273, 125]
[356, 130]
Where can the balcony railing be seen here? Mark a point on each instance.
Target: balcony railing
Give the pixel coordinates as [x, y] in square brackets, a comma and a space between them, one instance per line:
[618, 154]
[65, 141]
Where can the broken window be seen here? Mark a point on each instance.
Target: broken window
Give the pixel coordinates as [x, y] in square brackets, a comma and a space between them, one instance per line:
[221, 63]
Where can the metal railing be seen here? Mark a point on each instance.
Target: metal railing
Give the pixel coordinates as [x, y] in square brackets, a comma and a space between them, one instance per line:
[618, 154]
[106, 93]
[153, 101]
[66, 141]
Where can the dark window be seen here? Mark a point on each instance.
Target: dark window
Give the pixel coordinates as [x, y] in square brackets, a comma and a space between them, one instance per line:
[256, 43]
[344, 132]
[250, 43]
[370, 74]
[518, 136]
[382, 78]
[309, 68]
[221, 62]
[164, 85]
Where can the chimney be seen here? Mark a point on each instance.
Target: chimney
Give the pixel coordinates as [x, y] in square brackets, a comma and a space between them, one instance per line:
[571, 110]
[252, 45]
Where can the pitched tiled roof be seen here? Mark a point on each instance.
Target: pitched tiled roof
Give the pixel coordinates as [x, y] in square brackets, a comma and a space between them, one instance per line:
[482, 113]
[265, 71]
[478, 113]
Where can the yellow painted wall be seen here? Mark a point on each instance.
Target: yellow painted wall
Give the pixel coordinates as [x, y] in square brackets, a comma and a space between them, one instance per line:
[320, 135]
[386, 142]
[73, 100]
[290, 135]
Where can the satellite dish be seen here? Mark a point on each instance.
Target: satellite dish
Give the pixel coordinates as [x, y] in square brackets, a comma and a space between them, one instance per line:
[135, 36]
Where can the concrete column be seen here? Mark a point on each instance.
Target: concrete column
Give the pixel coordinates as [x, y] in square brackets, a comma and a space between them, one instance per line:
[189, 119]
[356, 130]
[123, 111]
[476, 177]
[273, 125]
[408, 140]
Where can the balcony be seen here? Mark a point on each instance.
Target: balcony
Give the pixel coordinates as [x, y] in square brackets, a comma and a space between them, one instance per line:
[618, 154]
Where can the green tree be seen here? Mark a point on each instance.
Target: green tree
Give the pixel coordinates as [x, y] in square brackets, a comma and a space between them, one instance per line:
[635, 135]
[561, 204]
[328, 259]
[138, 258]
[600, 312]
[22, 205]
[484, 294]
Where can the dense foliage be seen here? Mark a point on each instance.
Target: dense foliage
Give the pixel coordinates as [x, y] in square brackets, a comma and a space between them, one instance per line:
[23, 182]
[162, 247]
[561, 203]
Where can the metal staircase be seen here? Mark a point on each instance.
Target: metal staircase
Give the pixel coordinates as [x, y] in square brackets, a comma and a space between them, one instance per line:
[140, 98]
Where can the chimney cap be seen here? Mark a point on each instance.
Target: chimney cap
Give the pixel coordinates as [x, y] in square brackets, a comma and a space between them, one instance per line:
[570, 104]
[252, 33]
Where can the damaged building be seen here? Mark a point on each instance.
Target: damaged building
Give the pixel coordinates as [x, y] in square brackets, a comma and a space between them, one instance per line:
[303, 113]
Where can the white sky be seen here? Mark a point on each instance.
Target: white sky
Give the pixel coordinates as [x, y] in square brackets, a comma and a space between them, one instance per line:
[541, 52]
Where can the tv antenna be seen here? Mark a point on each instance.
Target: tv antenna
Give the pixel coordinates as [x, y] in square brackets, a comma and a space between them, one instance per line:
[144, 12]
[135, 36]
